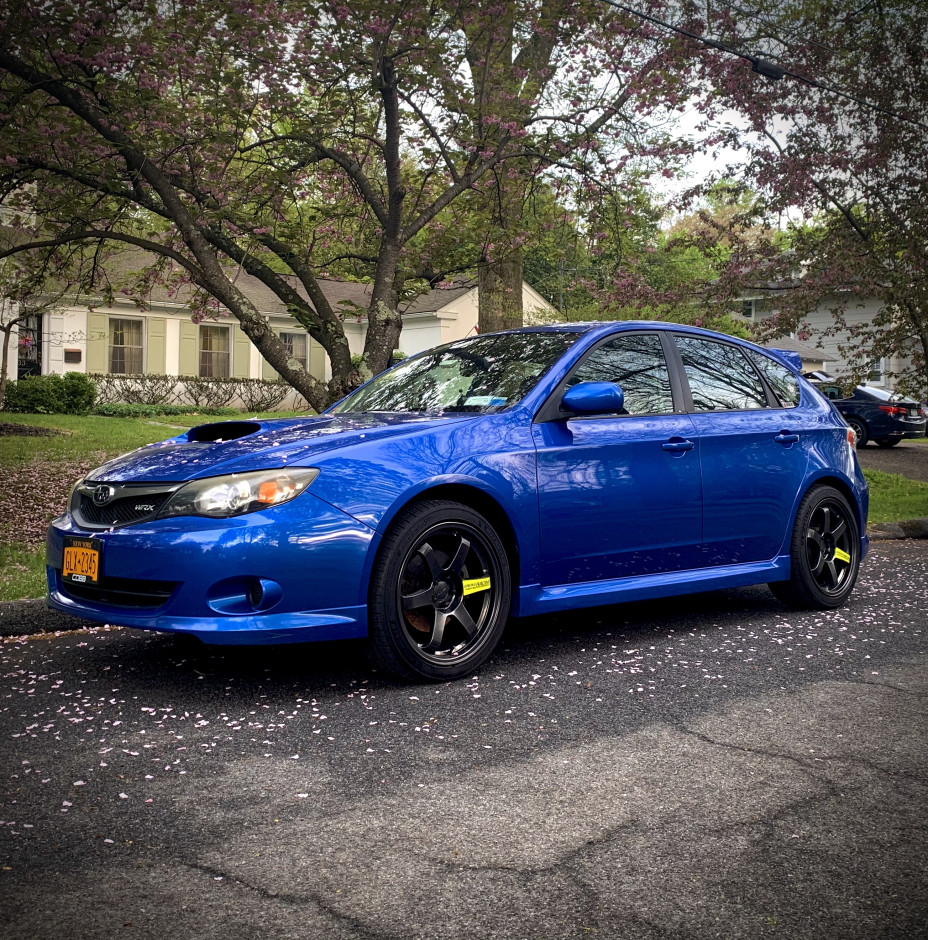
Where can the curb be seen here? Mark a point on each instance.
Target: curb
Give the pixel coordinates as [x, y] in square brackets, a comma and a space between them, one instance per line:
[28, 617]
[910, 529]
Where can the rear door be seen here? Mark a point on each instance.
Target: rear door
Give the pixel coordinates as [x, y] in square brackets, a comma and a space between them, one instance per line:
[753, 448]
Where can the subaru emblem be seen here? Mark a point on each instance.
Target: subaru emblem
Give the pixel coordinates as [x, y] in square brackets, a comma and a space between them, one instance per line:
[103, 494]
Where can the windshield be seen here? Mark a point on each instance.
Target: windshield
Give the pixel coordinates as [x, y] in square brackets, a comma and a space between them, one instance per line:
[479, 375]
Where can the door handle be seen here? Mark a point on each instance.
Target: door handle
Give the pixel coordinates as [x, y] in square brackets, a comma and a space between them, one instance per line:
[677, 445]
[787, 437]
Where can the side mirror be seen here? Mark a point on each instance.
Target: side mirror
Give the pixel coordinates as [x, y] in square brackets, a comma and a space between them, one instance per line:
[594, 398]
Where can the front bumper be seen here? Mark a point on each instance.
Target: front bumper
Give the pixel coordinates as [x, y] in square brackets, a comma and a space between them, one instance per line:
[307, 557]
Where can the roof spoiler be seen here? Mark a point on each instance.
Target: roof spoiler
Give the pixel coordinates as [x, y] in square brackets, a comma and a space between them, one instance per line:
[788, 357]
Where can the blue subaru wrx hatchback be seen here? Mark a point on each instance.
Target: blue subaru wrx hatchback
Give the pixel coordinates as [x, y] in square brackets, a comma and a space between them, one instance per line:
[535, 470]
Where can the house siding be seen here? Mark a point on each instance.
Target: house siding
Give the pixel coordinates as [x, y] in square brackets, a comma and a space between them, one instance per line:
[858, 311]
[171, 338]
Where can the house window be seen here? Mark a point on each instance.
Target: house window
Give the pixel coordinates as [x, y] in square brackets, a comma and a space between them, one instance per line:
[214, 352]
[125, 341]
[747, 309]
[296, 346]
[877, 374]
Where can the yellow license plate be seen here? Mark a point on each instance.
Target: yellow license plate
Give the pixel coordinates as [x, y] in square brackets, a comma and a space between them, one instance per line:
[81, 561]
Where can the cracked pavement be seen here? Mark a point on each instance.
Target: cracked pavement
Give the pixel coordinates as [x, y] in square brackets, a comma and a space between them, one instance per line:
[711, 766]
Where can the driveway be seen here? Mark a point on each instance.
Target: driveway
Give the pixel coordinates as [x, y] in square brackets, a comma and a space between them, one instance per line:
[908, 458]
[702, 767]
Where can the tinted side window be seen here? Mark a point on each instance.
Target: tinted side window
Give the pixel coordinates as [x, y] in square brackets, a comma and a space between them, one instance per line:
[720, 376]
[636, 362]
[780, 379]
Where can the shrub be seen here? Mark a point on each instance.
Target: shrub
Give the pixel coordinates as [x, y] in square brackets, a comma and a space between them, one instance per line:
[260, 395]
[79, 392]
[127, 410]
[73, 393]
[147, 389]
[211, 393]
[189, 392]
[39, 394]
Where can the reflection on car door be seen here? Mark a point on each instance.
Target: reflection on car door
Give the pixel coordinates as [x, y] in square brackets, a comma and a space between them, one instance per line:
[753, 456]
[620, 495]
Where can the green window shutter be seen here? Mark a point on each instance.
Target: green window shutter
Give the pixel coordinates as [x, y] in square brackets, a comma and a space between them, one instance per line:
[157, 345]
[98, 330]
[268, 372]
[241, 354]
[316, 359]
[189, 363]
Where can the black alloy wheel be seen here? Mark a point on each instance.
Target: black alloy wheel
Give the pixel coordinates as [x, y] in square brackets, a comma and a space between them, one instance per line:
[859, 428]
[440, 593]
[824, 552]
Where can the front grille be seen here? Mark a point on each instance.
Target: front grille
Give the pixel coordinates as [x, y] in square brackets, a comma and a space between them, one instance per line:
[127, 504]
[119, 512]
[122, 592]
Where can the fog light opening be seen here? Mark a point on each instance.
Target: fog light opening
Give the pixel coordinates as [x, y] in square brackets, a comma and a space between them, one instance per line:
[256, 594]
[244, 595]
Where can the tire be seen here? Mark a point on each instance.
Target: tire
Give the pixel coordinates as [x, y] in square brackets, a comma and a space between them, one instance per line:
[439, 594]
[860, 429]
[889, 442]
[824, 552]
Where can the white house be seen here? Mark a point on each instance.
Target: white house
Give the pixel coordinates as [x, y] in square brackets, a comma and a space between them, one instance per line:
[858, 310]
[162, 338]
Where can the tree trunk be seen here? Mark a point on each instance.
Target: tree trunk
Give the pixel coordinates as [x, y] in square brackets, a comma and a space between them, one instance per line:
[499, 292]
[920, 321]
[4, 361]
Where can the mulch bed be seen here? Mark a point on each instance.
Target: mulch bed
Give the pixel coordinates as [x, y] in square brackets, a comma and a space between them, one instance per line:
[25, 430]
[35, 493]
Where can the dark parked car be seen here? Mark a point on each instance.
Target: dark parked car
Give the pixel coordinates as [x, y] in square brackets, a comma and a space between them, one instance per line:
[527, 472]
[875, 414]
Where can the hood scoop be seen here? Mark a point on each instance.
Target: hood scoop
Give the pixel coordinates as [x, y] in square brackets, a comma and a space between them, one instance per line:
[223, 431]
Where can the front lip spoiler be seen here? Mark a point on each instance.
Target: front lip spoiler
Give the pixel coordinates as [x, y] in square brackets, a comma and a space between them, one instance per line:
[343, 623]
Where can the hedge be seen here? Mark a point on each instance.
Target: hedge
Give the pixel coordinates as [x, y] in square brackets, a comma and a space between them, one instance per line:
[153, 389]
[70, 394]
[126, 410]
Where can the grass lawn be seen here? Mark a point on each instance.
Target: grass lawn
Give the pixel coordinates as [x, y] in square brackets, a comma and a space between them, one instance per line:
[96, 435]
[44, 468]
[894, 497]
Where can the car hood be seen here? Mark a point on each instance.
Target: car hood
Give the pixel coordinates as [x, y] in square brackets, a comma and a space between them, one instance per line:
[239, 446]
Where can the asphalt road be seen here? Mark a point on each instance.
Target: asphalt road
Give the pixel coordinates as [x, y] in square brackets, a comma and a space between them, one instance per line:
[908, 458]
[712, 766]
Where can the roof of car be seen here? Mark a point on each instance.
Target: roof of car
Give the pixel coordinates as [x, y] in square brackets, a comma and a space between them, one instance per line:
[602, 325]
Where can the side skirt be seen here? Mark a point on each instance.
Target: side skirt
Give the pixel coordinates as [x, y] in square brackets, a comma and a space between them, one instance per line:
[534, 599]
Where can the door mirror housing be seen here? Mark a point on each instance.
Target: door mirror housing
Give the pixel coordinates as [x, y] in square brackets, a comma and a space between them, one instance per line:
[594, 398]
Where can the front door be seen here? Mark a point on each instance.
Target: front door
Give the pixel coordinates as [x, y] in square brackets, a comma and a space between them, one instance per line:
[30, 347]
[620, 495]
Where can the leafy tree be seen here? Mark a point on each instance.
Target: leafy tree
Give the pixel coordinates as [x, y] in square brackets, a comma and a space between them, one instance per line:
[837, 146]
[289, 138]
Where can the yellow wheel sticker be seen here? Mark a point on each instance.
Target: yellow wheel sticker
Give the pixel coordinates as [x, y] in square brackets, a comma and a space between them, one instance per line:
[476, 584]
[842, 555]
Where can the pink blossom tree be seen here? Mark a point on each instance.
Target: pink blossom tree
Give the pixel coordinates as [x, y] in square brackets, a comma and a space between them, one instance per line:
[837, 147]
[285, 139]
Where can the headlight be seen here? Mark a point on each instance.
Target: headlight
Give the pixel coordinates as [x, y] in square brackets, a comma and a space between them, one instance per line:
[238, 493]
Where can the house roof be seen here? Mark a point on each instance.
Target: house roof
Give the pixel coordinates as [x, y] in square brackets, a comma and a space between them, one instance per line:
[348, 297]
